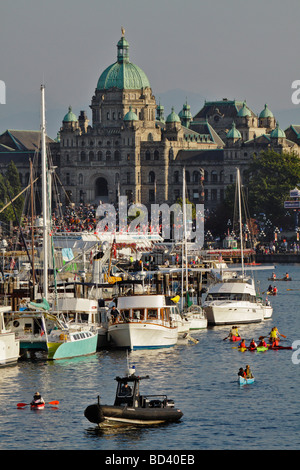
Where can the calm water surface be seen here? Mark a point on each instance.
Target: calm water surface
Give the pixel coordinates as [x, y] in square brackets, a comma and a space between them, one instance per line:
[201, 378]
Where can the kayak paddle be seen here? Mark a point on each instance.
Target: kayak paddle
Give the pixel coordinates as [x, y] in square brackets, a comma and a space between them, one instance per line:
[21, 405]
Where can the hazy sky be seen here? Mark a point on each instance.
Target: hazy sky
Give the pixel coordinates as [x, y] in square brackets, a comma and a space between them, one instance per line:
[242, 49]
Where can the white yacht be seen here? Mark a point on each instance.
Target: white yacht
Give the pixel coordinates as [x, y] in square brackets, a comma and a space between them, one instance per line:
[144, 322]
[233, 301]
[9, 345]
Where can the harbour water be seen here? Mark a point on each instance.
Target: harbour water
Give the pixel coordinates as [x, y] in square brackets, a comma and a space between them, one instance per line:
[201, 378]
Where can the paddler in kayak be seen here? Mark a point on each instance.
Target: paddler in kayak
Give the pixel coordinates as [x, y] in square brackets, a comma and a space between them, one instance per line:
[234, 332]
[262, 343]
[37, 399]
[242, 373]
[248, 372]
[274, 334]
[252, 344]
[242, 344]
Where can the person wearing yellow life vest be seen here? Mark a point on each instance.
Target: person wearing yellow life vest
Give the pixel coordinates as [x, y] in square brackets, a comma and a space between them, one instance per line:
[234, 332]
[274, 334]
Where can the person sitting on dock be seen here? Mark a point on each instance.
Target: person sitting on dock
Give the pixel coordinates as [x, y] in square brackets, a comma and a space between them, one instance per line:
[248, 372]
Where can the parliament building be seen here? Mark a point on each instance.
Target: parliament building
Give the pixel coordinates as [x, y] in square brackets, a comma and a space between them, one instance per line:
[131, 148]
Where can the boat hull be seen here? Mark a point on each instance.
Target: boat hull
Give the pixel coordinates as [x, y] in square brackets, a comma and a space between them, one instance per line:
[123, 414]
[243, 381]
[39, 406]
[9, 349]
[222, 314]
[69, 349]
[142, 335]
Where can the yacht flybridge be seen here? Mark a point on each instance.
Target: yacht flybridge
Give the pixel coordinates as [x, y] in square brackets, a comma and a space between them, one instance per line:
[234, 300]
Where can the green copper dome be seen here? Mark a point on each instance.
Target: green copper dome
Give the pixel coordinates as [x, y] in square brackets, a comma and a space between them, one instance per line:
[266, 112]
[70, 117]
[244, 111]
[130, 116]
[173, 117]
[277, 132]
[123, 74]
[234, 133]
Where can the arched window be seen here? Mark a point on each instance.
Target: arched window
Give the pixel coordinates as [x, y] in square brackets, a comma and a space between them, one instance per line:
[195, 176]
[147, 155]
[176, 176]
[91, 156]
[80, 178]
[187, 176]
[108, 155]
[99, 154]
[151, 177]
[150, 137]
[214, 177]
[82, 156]
[156, 155]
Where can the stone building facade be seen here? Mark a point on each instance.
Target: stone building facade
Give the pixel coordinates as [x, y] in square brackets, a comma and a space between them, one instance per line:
[131, 149]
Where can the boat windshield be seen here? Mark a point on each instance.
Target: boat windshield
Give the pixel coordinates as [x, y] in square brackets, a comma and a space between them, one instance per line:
[230, 296]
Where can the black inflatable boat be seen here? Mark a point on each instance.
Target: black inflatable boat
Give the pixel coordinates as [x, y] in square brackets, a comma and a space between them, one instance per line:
[131, 407]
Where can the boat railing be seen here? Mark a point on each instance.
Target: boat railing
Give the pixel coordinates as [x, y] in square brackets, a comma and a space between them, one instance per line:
[156, 401]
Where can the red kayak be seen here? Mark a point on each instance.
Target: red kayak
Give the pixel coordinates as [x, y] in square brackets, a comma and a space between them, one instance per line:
[280, 347]
[235, 338]
[37, 406]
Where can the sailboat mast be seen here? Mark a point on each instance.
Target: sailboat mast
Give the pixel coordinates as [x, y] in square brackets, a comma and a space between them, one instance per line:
[44, 192]
[184, 261]
[240, 218]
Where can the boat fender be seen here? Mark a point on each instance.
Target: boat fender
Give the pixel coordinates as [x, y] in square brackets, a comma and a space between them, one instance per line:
[94, 413]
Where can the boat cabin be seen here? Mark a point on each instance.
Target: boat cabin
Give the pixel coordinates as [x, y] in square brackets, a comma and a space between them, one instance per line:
[128, 394]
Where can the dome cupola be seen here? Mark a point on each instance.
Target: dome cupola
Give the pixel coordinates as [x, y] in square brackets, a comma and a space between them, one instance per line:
[123, 74]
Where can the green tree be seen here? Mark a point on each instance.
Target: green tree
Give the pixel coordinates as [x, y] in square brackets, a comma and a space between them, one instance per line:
[269, 179]
[10, 187]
